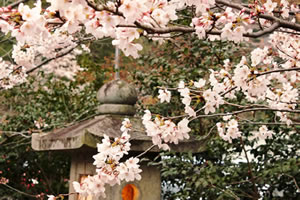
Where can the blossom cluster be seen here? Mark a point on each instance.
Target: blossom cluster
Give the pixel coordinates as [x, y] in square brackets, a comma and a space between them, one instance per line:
[262, 133]
[11, 74]
[164, 131]
[40, 123]
[36, 44]
[29, 56]
[229, 130]
[109, 167]
[65, 66]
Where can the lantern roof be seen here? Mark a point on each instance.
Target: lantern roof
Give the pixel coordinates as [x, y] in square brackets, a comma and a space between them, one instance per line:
[118, 99]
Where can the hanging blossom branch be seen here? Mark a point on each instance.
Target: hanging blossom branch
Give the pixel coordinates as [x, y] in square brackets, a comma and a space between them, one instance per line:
[110, 169]
[261, 74]
[253, 76]
[50, 59]
[121, 15]
[251, 79]
[164, 30]
[17, 74]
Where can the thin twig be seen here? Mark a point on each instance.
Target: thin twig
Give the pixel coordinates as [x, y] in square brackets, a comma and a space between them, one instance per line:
[15, 4]
[268, 123]
[14, 133]
[19, 191]
[297, 186]
[255, 190]
[143, 153]
[246, 110]
[245, 106]
[229, 193]
[263, 73]
[50, 59]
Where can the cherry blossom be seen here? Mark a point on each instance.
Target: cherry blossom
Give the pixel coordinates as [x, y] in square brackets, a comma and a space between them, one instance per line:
[126, 126]
[40, 123]
[270, 5]
[164, 95]
[229, 130]
[263, 133]
[165, 131]
[51, 197]
[11, 75]
[200, 83]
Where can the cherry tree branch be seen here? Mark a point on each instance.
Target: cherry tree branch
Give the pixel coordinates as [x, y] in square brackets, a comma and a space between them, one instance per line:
[246, 110]
[50, 59]
[19, 191]
[264, 73]
[263, 32]
[277, 22]
[268, 123]
[279, 70]
[250, 172]
[294, 180]
[143, 153]
[43, 63]
[245, 106]
[181, 29]
[229, 192]
[14, 133]
[281, 22]
[15, 4]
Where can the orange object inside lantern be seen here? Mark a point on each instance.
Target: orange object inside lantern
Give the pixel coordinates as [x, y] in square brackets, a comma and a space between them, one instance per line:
[130, 192]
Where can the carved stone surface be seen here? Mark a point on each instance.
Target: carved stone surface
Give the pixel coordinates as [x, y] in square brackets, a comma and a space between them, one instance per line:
[119, 109]
[117, 92]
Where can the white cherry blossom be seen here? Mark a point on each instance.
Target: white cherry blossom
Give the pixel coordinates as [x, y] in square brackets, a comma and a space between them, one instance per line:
[200, 83]
[164, 95]
[270, 5]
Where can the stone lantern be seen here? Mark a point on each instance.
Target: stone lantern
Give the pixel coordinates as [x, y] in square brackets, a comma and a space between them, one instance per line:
[117, 100]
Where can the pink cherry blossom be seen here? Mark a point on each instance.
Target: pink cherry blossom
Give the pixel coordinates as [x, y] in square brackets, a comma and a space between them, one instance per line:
[164, 95]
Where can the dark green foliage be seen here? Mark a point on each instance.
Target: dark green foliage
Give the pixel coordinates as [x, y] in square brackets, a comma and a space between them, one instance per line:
[218, 174]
